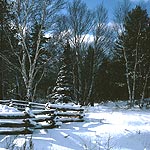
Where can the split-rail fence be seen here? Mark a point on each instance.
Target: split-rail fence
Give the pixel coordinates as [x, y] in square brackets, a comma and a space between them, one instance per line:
[31, 116]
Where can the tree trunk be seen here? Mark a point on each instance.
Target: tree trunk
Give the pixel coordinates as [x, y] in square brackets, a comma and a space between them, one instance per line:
[18, 95]
[127, 75]
[29, 93]
[90, 92]
[144, 87]
[79, 82]
[93, 72]
[135, 68]
[134, 80]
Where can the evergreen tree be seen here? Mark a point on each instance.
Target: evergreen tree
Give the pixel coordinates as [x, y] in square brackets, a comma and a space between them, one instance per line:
[63, 92]
[7, 33]
[110, 81]
[44, 55]
[3, 16]
[36, 44]
[132, 46]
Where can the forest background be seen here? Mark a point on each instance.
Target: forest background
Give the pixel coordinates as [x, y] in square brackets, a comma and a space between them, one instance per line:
[109, 61]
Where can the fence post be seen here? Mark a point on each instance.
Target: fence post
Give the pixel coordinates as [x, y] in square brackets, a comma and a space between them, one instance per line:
[28, 121]
[11, 103]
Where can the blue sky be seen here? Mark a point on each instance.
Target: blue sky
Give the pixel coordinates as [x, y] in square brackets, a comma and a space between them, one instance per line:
[111, 4]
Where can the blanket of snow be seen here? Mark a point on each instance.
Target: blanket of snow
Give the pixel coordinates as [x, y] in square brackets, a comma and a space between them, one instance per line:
[106, 127]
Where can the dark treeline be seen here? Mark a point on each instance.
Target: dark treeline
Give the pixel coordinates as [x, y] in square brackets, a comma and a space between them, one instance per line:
[112, 64]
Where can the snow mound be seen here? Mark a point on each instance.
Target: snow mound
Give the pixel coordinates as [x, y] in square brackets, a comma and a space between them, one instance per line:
[4, 108]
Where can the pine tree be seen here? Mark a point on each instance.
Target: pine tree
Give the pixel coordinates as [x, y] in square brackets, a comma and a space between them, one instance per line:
[63, 92]
[44, 54]
[132, 46]
[7, 32]
[36, 44]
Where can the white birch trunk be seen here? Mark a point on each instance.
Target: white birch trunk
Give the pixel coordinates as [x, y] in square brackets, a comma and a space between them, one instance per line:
[127, 75]
[134, 77]
[135, 67]
[144, 87]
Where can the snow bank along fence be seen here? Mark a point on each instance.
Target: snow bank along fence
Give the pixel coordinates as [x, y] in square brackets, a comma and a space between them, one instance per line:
[37, 116]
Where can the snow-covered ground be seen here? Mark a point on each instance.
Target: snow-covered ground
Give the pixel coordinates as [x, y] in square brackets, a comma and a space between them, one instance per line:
[106, 127]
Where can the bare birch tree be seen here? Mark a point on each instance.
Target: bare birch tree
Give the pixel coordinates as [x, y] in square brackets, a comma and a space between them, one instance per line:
[74, 26]
[103, 39]
[26, 14]
[133, 46]
[120, 13]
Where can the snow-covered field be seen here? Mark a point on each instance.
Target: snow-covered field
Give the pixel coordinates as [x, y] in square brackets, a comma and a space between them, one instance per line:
[105, 127]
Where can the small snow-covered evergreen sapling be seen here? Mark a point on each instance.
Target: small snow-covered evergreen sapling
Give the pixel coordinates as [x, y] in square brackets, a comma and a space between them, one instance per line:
[63, 92]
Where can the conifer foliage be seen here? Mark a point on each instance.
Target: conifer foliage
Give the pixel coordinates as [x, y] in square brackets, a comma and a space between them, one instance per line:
[134, 45]
[7, 60]
[63, 92]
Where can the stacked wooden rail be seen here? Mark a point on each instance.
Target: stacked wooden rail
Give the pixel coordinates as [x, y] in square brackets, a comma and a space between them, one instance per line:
[37, 116]
[21, 105]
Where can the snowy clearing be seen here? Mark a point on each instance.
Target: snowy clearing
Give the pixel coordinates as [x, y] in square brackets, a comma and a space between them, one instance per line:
[105, 127]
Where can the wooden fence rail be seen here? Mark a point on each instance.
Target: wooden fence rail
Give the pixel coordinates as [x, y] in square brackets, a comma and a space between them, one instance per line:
[33, 116]
[21, 105]
[25, 122]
